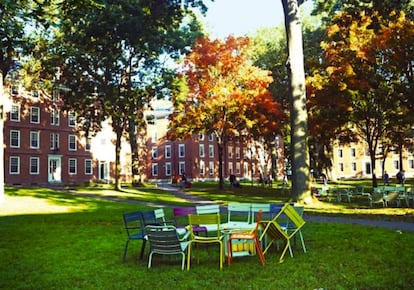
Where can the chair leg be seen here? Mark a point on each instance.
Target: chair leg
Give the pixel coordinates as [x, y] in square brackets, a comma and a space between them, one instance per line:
[144, 241]
[303, 242]
[259, 251]
[125, 251]
[229, 252]
[188, 256]
[150, 260]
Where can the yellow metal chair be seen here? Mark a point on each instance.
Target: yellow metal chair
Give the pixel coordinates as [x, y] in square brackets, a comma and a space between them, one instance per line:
[274, 231]
[204, 219]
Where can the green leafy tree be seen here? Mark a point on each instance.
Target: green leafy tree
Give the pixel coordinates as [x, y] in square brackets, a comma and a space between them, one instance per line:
[112, 57]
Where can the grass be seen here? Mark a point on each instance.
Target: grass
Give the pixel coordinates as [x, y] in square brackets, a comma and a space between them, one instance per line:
[54, 240]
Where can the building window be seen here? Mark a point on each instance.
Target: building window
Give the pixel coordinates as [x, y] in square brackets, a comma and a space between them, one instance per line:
[154, 152]
[201, 137]
[168, 168]
[88, 141]
[155, 169]
[340, 153]
[411, 164]
[15, 113]
[34, 139]
[14, 138]
[201, 150]
[181, 167]
[72, 165]
[341, 167]
[14, 90]
[34, 165]
[72, 143]
[238, 168]
[396, 164]
[353, 152]
[202, 167]
[210, 137]
[181, 150]
[231, 168]
[54, 117]
[230, 151]
[211, 151]
[211, 168]
[168, 151]
[238, 152]
[354, 167]
[14, 165]
[54, 141]
[88, 167]
[71, 119]
[35, 115]
[35, 94]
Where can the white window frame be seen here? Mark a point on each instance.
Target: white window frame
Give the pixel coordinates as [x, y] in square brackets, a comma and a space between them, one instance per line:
[71, 119]
[54, 141]
[154, 152]
[168, 168]
[34, 137]
[201, 150]
[17, 158]
[75, 166]
[154, 169]
[15, 113]
[88, 167]
[211, 168]
[14, 136]
[37, 160]
[72, 142]
[181, 150]
[211, 151]
[167, 151]
[35, 115]
[54, 117]
[181, 167]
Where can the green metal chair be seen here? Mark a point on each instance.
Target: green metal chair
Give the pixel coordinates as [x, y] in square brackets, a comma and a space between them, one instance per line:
[204, 219]
[274, 231]
[164, 240]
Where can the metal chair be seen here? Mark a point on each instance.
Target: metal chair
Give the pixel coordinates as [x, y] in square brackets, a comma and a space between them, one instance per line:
[205, 219]
[246, 236]
[134, 226]
[164, 240]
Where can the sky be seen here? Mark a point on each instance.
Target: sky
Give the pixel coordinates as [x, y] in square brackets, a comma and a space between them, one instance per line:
[241, 17]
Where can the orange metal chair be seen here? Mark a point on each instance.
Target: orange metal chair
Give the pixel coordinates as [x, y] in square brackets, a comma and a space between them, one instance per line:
[246, 236]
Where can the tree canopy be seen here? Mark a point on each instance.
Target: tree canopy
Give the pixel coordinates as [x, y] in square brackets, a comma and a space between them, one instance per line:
[227, 96]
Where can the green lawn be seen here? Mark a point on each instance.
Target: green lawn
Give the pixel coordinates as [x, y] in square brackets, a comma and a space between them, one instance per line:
[54, 240]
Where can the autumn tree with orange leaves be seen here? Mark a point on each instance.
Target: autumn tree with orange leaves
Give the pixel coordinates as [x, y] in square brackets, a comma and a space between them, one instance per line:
[224, 95]
[366, 81]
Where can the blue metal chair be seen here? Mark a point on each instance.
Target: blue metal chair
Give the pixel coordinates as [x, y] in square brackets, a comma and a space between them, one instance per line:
[135, 229]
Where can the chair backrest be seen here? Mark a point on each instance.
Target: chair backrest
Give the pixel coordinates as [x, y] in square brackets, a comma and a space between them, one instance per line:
[300, 209]
[181, 215]
[238, 212]
[258, 219]
[149, 218]
[203, 219]
[256, 207]
[296, 221]
[134, 223]
[159, 215]
[208, 209]
[163, 239]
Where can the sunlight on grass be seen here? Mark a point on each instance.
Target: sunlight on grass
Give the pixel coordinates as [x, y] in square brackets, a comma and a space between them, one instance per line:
[21, 205]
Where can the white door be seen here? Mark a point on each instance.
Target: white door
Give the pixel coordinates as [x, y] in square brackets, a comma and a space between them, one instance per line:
[55, 169]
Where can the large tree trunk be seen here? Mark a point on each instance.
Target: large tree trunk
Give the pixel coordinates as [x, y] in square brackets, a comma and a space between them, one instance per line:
[136, 178]
[299, 117]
